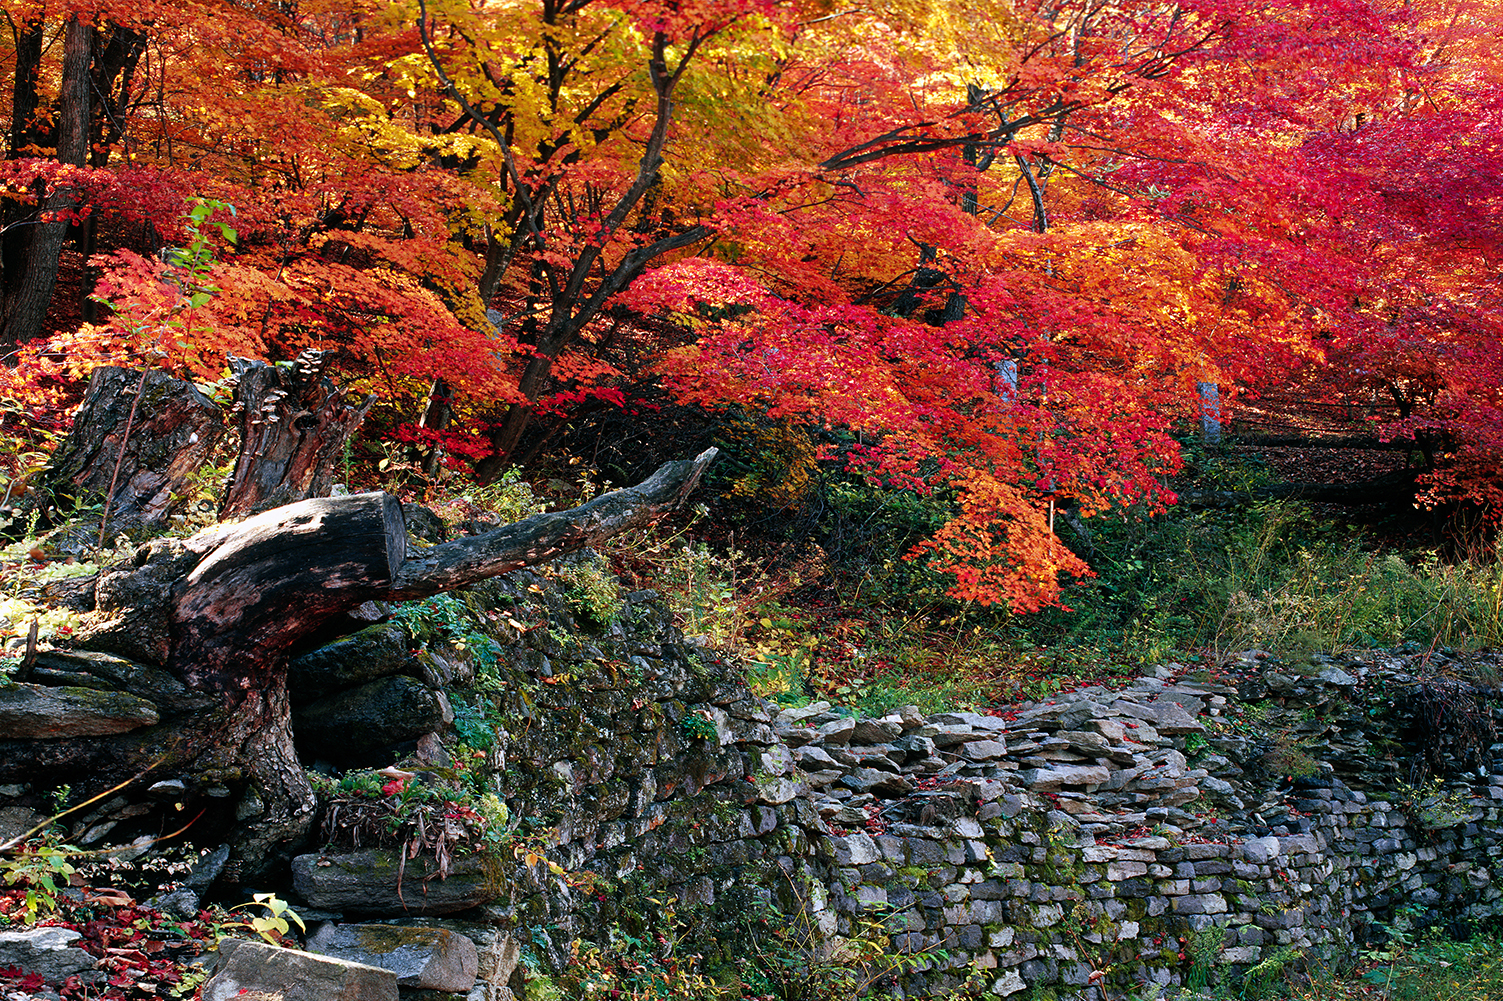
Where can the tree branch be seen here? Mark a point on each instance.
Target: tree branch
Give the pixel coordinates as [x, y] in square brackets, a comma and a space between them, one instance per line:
[545, 536]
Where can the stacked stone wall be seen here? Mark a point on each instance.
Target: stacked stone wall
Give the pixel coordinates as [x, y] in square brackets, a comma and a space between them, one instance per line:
[1150, 833]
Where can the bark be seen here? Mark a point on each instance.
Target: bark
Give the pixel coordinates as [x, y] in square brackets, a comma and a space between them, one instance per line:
[208, 624]
[293, 427]
[17, 234]
[33, 292]
[170, 437]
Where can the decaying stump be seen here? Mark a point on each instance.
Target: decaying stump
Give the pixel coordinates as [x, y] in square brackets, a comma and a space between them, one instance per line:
[206, 625]
[293, 427]
[169, 429]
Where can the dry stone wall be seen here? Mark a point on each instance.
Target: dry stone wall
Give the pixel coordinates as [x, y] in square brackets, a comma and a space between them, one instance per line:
[1177, 829]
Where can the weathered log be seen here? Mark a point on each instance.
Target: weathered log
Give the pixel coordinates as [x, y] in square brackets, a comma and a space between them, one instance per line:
[169, 430]
[218, 613]
[293, 428]
[1391, 489]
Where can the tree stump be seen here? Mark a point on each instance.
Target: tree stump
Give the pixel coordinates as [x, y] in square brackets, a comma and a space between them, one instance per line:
[169, 430]
[293, 428]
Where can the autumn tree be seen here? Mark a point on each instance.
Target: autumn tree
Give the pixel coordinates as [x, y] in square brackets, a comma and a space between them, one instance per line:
[1003, 246]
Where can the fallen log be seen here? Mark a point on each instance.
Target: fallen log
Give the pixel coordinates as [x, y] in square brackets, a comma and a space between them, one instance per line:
[206, 625]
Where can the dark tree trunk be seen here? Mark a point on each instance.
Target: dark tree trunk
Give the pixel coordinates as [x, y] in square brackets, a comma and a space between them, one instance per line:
[118, 51]
[27, 311]
[168, 431]
[23, 112]
[293, 428]
[209, 622]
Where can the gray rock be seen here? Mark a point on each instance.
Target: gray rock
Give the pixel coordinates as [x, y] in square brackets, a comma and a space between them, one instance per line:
[984, 750]
[948, 734]
[47, 952]
[1200, 903]
[875, 781]
[814, 758]
[1336, 676]
[374, 652]
[792, 716]
[208, 867]
[854, 849]
[1260, 851]
[1055, 778]
[35, 712]
[246, 967]
[17, 820]
[181, 903]
[1164, 717]
[776, 789]
[988, 725]
[92, 669]
[838, 731]
[432, 958]
[872, 731]
[365, 882]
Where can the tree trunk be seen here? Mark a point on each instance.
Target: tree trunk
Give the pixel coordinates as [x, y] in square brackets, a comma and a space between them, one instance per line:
[293, 428]
[23, 112]
[33, 293]
[158, 438]
[208, 623]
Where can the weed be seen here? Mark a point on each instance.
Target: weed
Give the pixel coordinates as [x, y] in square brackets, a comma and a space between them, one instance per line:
[42, 868]
[699, 726]
[447, 616]
[589, 588]
[271, 926]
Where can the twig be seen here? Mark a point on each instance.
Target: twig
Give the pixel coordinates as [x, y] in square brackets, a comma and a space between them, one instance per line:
[20, 839]
[104, 519]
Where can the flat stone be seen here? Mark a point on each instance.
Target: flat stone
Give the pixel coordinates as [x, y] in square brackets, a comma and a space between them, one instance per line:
[983, 750]
[356, 723]
[47, 952]
[1199, 903]
[814, 758]
[36, 712]
[1164, 717]
[374, 652]
[874, 781]
[432, 958]
[855, 849]
[775, 790]
[1336, 676]
[365, 882]
[948, 734]
[1260, 851]
[1117, 871]
[871, 731]
[1056, 778]
[777, 760]
[791, 716]
[837, 731]
[247, 967]
[988, 725]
